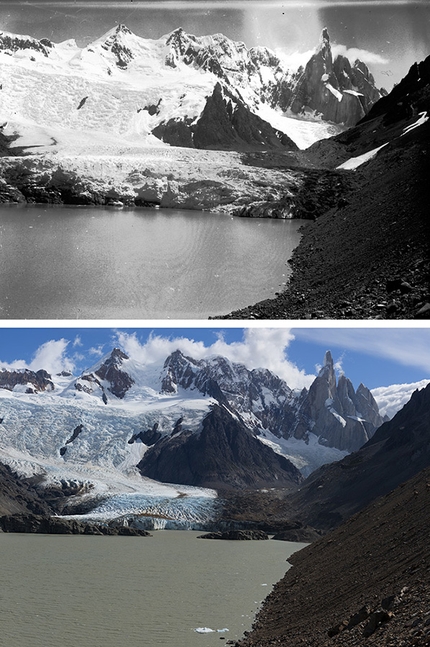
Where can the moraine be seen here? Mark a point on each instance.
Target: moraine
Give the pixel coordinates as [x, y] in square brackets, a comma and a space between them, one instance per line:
[101, 263]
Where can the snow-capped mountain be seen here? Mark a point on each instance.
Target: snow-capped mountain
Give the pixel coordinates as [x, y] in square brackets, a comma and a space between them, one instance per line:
[118, 435]
[125, 417]
[174, 89]
[332, 87]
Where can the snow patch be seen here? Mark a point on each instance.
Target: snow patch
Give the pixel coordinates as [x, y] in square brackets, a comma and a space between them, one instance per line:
[423, 117]
[355, 162]
[307, 455]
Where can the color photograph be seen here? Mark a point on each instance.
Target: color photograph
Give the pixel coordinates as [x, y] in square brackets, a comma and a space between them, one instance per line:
[122, 449]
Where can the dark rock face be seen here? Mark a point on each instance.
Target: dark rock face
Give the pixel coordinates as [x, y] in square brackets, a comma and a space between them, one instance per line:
[120, 381]
[336, 90]
[19, 495]
[399, 449]
[225, 453]
[367, 582]
[149, 437]
[34, 381]
[225, 123]
[31, 523]
[408, 98]
[15, 43]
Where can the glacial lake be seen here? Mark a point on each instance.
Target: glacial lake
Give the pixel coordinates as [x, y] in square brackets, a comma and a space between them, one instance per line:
[106, 263]
[154, 591]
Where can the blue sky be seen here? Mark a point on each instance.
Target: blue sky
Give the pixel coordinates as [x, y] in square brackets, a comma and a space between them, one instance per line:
[388, 34]
[374, 356]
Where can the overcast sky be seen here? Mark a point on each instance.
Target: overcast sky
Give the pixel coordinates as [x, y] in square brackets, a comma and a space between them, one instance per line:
[375, 356]
[389, 35]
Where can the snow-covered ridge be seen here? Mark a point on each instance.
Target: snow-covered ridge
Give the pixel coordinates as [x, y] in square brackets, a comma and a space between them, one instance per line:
[127, 86]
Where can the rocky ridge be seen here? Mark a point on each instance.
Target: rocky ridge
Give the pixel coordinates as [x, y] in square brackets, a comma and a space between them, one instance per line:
[225, 453]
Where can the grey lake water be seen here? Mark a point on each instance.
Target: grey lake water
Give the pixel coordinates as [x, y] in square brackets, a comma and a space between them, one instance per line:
[91, 591]
[105, 263]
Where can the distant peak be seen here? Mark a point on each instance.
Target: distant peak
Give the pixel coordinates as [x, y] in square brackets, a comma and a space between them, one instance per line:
[325, 38]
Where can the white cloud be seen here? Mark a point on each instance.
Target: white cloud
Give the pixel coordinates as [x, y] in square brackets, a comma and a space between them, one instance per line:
[391, 399]
[98, 351]
[293, 60]
[260, 347]
[405, 346]
[370, 58]
[52, 357]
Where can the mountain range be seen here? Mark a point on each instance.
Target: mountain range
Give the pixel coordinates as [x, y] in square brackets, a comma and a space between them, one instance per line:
[195, 423]
[201, 444]
[186, 90]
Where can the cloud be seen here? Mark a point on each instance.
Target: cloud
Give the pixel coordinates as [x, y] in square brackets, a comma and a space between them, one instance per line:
[97, 351]
[52, 357]
[405, 346]
[260, 347]
[293, 60]
[352, 53]
[391, 399]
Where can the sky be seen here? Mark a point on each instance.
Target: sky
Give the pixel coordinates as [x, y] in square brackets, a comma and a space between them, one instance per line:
[389, 35]
[376, 357]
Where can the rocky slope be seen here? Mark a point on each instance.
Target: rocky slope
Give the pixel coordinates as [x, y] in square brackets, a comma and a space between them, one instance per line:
[367, 582]
[19, 496]
[398, 450]
[367, 253]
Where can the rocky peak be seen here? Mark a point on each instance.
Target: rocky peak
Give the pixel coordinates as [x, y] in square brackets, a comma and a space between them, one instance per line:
[224, 454]
[122, 29]
[324, 47]
[122, 43]
[340, 416]
[119, 381]
[334, 90]
[109, 376]
[178, 370]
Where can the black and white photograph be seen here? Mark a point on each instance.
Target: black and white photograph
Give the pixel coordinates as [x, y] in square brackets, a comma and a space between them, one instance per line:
[208, 159]
[214, 323]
